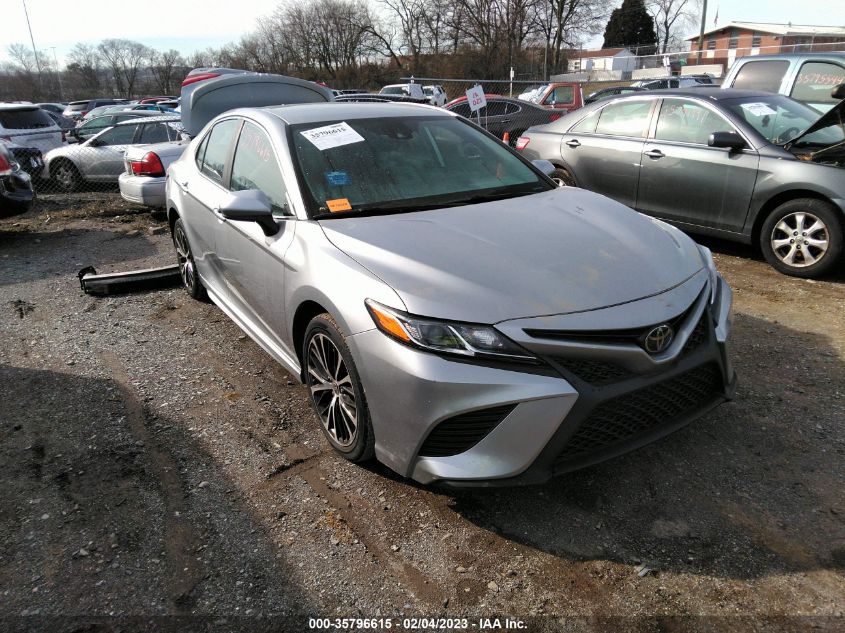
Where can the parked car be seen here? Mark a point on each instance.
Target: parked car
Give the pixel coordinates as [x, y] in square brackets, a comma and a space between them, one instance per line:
[408, 90]
[100, 158]
[29, 126]
[745, 165]
[143, 180]
[607, 93]
[451, 310]
[435, 94]
[156, 99]
[107, 109]
[78, 109]
[55, 108]
[806, 77]
[29, 159]
[504, 115]
[92, 127]
[560, 96]
[16, 192]
[63, 122]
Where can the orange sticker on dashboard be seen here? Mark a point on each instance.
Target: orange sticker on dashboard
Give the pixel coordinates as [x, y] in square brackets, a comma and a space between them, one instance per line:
[338, 204]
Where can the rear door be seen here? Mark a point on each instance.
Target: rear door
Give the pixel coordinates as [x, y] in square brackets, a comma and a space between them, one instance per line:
[604, 149]
[684, 180]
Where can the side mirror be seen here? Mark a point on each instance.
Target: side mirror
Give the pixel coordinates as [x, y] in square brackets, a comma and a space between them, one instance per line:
[838, 92]
[250, 205]
[95, 142]
[544, 166]
[730, 140]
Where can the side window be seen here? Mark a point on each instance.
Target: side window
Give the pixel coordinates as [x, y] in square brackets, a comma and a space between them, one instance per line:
[201, 152]
[255, 167]
[625, 118]
[120, 135]
[815, 80]
[763, 75]
[561, 94]
[494, 108]
[463, 110]
[218, 143]
[153, 133]
[512, 108]
[688, 122]
[587, 125]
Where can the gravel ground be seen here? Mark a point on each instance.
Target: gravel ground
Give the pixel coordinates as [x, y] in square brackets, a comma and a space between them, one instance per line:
[155, 462]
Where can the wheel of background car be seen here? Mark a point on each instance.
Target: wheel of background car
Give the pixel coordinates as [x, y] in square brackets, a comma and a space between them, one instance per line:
[803, 238]
[187, 266]
[562, 177]
[335, 389]
[67, 176]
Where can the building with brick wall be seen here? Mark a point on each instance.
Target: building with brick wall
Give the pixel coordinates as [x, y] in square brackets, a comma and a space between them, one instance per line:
[723, 44]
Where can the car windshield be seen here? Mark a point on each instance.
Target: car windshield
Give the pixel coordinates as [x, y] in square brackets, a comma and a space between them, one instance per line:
[393, 164]
[779, 119]
[392, 90]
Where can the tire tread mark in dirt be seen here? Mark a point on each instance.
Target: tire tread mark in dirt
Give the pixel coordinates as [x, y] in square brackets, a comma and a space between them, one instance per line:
[180, 539]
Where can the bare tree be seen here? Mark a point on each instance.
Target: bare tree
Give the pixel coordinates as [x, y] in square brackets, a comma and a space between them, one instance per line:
[668, 16]
[165, 68]
[124, 58]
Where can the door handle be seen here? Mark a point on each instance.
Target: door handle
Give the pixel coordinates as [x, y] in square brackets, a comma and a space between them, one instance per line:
[573, 143]
[505, 121]
[655, 154]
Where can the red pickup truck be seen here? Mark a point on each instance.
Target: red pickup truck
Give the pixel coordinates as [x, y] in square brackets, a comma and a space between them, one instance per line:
[561, 96]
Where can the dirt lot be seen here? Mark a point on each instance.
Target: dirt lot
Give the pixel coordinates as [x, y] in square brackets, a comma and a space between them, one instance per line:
[154, 461]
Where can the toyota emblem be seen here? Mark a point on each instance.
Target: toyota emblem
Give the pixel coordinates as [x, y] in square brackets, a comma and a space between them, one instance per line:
[659, 339]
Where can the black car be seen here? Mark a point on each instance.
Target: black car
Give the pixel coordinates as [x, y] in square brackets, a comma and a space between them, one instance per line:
[744, 165]
[607, 93]
[505, 115]
[15, 185]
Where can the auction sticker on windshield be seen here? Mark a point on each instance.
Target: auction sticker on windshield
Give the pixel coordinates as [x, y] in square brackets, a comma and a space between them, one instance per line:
[335, 135]
[758, 109]
[338, 204]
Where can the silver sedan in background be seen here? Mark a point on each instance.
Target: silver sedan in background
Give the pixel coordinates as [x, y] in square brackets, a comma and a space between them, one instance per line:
[451, 311]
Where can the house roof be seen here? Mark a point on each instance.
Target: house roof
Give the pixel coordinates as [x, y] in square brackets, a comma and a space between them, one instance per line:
[603, 52]
[778, 29]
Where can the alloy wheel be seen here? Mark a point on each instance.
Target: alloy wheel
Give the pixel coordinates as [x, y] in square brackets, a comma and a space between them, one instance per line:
[800, 239]
[332, 390]
[186, 261]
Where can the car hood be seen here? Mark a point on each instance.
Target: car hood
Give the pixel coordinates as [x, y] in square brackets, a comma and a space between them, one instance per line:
[562, 251]
[834, 116]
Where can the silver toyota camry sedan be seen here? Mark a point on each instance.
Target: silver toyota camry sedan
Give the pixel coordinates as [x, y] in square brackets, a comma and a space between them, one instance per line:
[451, 310]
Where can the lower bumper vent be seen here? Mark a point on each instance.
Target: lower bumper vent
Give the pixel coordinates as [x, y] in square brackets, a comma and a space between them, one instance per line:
[462, 432]
[634, 414]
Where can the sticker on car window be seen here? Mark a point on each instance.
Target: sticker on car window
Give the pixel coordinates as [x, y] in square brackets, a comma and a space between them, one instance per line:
[335, 135]
[338, 204]
[758, 109]
[337, 178]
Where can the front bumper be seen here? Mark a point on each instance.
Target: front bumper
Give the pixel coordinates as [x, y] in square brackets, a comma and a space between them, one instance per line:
[16, 193]
[572, 412]
[144, 190]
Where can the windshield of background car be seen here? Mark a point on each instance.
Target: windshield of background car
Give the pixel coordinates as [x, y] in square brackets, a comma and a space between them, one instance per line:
[395, 164]
[393, 90]
[779, 119]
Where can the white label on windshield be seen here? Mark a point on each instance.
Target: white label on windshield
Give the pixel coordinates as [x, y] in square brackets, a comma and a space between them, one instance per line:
[758, 109]
[334, 135]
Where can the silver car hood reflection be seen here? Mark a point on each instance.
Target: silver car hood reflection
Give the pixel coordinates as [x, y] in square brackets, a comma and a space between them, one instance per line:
[562, 251]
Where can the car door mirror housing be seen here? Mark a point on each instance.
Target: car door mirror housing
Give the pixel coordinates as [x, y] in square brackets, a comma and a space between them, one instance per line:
[250, 205]
[838, 92]
[544, 166]
[95, 142]
[728, 140]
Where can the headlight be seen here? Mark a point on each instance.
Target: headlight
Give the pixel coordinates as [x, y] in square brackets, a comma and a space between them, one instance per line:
[464, 339]
[707, 258]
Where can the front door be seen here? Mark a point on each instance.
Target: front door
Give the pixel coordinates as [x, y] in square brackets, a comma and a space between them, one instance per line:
[684, 180]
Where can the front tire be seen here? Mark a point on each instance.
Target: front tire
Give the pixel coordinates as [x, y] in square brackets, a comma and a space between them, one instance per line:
[335, 389]
[67, 176]
[803, 238]
[563, 178]
[187, 266]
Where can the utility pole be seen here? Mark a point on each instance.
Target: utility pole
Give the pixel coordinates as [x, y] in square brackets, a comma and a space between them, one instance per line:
[58, 74]
[32, 39]
[701, 33]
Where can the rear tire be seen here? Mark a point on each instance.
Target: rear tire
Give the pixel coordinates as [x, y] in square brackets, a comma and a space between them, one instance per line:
[335, 390]
[187, 266]
[803, 238]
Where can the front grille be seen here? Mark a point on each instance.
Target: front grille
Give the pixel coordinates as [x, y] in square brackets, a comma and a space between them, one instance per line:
[462, 432]
[636, 413]
[595, 372]
[698, 334]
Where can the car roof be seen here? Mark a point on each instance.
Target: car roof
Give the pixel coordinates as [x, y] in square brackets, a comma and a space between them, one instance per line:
[166, 118]
[18, 106]
[316, 112]
[714, 93]
[828, 54]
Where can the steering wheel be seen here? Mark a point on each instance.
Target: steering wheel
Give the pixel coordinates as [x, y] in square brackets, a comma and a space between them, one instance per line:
[788, 135]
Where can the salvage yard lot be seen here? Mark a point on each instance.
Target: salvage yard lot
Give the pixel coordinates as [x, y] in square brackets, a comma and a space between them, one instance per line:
[154, 460]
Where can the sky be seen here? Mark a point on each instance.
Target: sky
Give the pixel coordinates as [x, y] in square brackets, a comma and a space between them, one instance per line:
[190, 25]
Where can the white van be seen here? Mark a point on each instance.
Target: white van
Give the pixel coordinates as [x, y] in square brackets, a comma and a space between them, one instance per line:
[406, 90]
[29, 126]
